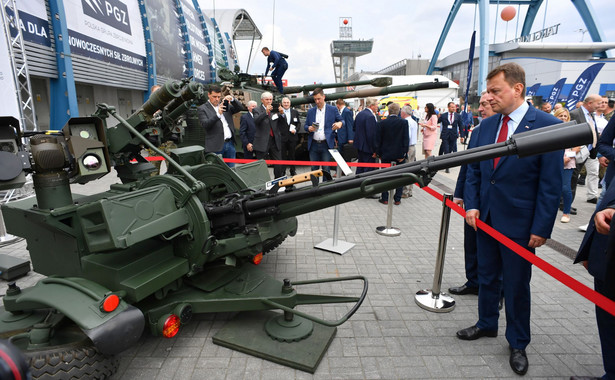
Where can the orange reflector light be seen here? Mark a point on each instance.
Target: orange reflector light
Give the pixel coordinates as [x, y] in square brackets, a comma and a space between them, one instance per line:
[257, 259]
[171, 326]
[110, 303]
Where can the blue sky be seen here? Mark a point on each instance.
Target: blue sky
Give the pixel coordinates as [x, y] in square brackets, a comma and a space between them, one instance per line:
[400, 29]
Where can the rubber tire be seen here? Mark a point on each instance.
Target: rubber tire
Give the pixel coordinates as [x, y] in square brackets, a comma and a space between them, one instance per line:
[77, 359]
[82, 361]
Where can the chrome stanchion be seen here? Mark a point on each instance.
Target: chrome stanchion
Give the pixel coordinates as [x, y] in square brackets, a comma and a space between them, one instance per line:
[334, 245]
[434, 300]
[388, 230]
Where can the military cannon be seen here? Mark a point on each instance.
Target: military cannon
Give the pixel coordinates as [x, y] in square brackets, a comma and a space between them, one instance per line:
[153, 250]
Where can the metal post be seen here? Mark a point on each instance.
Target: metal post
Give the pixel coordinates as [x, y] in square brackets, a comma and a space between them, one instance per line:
[434, 300]
[389, 230]
[334, 245]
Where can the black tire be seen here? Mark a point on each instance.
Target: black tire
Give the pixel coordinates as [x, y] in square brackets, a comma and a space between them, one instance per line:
[75, 359]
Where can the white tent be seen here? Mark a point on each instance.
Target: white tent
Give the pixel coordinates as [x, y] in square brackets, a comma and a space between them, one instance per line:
[439, 97]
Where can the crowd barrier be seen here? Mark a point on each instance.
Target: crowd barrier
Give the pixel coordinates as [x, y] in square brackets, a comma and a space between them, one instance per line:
[590, 294]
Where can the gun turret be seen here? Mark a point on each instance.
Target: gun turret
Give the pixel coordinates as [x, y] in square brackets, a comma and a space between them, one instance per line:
[373, 92]
[376, 82]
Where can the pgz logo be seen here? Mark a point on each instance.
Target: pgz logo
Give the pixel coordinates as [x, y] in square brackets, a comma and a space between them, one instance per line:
[112, 12]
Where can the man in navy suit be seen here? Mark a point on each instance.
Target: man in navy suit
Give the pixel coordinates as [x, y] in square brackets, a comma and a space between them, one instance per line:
[392, 140]
[469, 235]
[321, 121]
[451, 123]
[519, 197]
[365, 128]
[597, 255]
[276, 62]
[247, 129]
[345, 135]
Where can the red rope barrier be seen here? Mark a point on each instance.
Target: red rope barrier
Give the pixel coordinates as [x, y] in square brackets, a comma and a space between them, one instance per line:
[590, 294]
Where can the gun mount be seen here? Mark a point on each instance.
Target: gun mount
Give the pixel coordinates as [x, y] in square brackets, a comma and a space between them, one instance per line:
[154, 250]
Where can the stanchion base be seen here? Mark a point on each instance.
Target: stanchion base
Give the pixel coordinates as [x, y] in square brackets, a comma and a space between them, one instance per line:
[8, 238]
[340, 248]
[443, 303]
[384, 231]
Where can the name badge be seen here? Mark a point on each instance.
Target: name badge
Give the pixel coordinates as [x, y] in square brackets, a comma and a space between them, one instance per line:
[295, 120]
[450, 127]
[274, 117]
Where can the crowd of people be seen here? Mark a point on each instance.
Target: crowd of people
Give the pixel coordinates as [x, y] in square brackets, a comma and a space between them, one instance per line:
[490, 191]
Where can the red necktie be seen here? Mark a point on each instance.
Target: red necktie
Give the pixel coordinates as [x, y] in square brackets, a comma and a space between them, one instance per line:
[502, 137]
[270, 128]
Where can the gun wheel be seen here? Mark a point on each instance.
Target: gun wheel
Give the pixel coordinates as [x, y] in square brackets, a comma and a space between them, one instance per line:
[70, 355]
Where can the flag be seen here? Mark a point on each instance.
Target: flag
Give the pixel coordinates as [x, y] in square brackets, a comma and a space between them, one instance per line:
[555, 91]
[532, 90]
[582, 85]
[470, 62]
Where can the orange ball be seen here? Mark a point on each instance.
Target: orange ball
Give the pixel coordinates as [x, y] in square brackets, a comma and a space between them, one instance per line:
[345, 22]
[508, 13]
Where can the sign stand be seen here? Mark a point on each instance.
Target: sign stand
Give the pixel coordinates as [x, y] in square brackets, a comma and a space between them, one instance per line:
[335, 245]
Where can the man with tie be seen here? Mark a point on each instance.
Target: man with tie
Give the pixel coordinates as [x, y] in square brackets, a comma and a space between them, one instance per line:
[217, 119]
[288, 125]
[518, 197]
[345, 135]
[247, 129]
[585, 114]
[321, 122]
[267, 139]
[449, 132]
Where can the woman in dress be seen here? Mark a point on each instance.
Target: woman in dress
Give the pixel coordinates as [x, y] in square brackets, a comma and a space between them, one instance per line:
[569, 166]
[428, 128]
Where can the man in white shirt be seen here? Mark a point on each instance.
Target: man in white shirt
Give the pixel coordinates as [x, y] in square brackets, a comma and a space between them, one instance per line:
[413, 128]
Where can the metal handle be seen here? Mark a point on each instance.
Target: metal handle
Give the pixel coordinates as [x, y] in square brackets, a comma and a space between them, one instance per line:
[307, 299]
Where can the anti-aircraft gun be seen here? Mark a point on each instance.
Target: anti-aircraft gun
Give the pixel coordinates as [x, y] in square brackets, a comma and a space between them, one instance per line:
[152, 251]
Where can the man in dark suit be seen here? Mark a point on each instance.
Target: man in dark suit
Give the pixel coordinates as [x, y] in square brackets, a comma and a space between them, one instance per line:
[321, 122]
[451, 123]
[518, 197]
[585, 114]
[217, 119]
[288, 124]
[469, 235]
[247, 129]
[391, 142]
[267, 139]
[597, 253]
[345, 135]
[276, 62]
[365, 128]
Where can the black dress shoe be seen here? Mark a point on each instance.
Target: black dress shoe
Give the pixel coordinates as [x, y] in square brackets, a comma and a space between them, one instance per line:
[473, 333]
[518, 361]
[383, 201]
[501, 303]
[461, 290]
[593, 200]
[573, 211]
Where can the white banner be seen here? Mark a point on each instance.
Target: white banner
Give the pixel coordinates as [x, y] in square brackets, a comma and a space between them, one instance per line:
[107, 30]
[9, 106]
[33, 22]
[200, 51]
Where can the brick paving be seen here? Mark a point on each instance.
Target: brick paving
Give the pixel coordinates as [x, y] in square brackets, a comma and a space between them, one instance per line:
[389, 337]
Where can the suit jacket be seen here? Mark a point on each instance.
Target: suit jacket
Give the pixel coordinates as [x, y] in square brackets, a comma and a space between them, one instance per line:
[521, 195]
[214, 134]
[595, 247]
[365, 129]
[264, 124]
[461, 179]
[578, 115]
[346, 133]
[448, 129]
[392, 138]
[331, 116]
[605, 148]
[247, 129]
[284, 126]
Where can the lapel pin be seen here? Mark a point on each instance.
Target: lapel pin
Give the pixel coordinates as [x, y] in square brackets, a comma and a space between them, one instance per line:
[527, 127]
